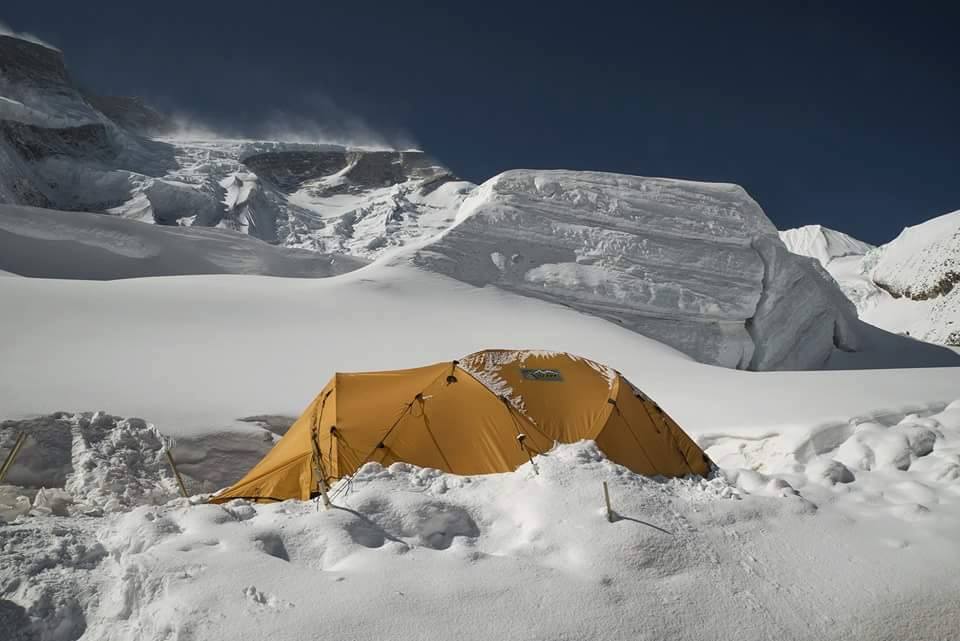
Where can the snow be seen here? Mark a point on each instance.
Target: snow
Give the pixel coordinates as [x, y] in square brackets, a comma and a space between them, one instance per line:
[822, 243]
[511, 556]
[916, 262]
[833, 513]
[53, 244]
[904, 286]
[790, 317]
[697, 266]
[248, 346]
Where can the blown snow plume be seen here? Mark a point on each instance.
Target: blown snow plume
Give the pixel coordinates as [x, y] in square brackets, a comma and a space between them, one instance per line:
[5, 30]
[697, 266]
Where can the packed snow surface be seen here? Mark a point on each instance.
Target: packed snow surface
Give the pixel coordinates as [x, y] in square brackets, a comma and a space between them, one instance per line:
[238, 346]
[54, 244]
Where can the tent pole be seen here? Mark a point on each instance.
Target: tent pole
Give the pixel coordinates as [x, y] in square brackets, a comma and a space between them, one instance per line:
[318, 466]
[176, 473]
[606, 497]
[11, 457]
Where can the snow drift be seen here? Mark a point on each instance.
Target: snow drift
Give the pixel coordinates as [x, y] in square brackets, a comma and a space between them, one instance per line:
[54, 244]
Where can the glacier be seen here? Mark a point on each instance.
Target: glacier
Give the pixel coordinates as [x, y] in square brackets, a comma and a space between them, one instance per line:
[697, 266]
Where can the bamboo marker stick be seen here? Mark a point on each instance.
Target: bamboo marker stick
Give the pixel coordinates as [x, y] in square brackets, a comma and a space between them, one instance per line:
[11, 457]
[606, 497]
[173, 466]
[318, 467]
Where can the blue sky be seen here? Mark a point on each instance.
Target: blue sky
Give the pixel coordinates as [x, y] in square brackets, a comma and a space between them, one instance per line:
[844, 115]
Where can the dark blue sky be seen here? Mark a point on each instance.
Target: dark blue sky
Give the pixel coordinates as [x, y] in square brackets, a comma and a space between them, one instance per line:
[842, 116]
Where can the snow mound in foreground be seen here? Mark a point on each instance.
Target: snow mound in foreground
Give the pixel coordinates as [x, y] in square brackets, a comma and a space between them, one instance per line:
[697, 266]
[822, 243]
[102, 463]
[54, 244]
[524, 554]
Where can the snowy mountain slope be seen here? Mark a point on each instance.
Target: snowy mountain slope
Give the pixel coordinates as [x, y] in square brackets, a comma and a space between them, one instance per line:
[922, 262]
[34, 82]
[66, 149]
[99, 168]
[822, 243]
[697, 266]
[53, 244]
[133, 114]
[904, 286]
[922, 265]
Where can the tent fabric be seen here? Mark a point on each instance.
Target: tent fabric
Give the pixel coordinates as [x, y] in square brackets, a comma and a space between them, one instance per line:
[489, 412]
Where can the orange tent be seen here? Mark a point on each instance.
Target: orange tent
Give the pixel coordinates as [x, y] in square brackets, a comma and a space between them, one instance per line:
[489, 412]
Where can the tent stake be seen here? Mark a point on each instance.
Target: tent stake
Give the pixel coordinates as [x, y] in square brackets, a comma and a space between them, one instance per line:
[8, 463]
[176, 474]
[606, 497]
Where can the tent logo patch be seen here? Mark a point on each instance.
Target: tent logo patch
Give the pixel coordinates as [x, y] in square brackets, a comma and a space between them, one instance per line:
[540, 374]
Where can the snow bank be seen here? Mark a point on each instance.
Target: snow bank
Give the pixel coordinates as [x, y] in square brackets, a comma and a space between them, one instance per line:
[54, 244]
[103, 463]
[694, 265]
[510, 556]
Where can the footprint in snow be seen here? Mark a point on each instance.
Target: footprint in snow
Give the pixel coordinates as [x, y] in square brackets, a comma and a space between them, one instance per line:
[262, 599]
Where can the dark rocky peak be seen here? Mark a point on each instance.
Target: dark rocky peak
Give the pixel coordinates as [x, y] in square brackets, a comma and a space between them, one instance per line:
[362, 169]
[133, 114]
[33, 143]
[31, 65]
[290, 169]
